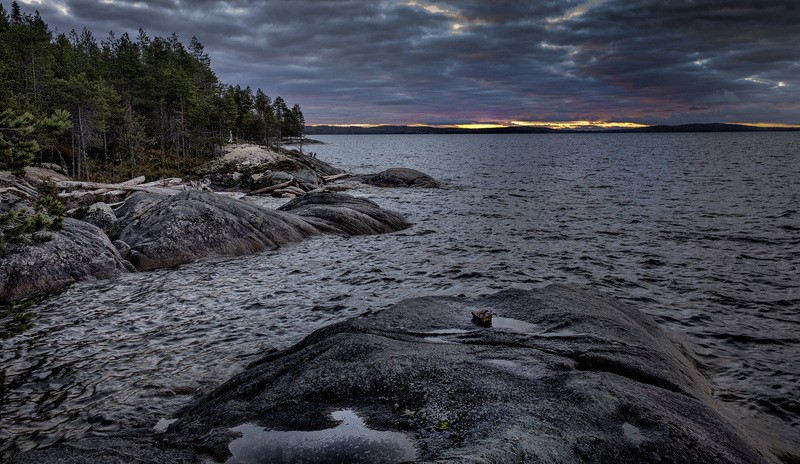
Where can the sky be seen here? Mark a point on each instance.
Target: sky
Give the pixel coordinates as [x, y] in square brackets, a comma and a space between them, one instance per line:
[479, 61]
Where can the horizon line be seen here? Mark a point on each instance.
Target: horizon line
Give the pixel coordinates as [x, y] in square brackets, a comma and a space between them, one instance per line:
[556, 125]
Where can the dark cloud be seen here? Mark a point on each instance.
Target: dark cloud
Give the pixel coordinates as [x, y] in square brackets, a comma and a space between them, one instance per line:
[348, 61]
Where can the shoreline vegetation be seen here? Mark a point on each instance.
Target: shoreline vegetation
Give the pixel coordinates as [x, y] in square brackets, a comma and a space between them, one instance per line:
[113, 109]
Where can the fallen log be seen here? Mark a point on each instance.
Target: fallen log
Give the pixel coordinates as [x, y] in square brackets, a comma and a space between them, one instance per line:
[169, 182]
[135, 181]
[99, 185]
[294, 191]
[272, 188]
[336, 177]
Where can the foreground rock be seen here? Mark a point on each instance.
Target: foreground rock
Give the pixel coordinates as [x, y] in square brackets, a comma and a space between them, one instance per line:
[163, 231]
[401, 177]
[564, 375]
[80, 251]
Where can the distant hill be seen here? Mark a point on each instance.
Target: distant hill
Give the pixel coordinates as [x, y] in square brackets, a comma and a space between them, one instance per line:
[714, 127]
[356, 130]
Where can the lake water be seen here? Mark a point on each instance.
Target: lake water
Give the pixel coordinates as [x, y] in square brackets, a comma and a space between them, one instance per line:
[701, 231]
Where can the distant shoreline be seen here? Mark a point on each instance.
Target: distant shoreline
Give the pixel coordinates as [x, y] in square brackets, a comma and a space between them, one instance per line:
[398, 130]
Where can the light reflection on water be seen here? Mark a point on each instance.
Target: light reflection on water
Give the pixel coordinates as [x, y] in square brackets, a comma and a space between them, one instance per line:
[350, 442]
[701, 231]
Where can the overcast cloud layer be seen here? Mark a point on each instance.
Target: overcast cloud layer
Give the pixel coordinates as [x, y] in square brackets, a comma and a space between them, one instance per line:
[349, 61]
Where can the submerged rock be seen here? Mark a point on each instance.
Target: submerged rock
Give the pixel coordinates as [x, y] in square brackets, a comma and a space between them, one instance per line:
[80, 251]
[401, 177]
[566, 375]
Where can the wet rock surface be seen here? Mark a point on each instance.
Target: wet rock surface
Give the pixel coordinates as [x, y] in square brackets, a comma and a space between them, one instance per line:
[336, 213]
[151, 231]
[192, 225]
[168, 231]
[80, 251]
[569, 375]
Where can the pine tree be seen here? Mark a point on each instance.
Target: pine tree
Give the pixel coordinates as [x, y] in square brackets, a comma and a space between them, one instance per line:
[280, 110]
[17, 150]
[17, 147]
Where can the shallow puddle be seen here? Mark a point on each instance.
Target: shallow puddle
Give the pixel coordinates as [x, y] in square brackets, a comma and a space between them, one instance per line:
[515, 325]
[163, 424]
[632, 433]
[349, 442]
[445, 335]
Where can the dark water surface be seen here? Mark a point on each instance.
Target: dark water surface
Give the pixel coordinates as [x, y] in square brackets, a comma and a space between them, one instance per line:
[701, 231]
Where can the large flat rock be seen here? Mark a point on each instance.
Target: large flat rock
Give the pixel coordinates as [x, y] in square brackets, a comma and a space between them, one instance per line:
[164, 231]
[336, 213]
[564, 375]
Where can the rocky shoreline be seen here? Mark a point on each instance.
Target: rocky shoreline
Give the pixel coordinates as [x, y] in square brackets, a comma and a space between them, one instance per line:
[170, 223]
[559, 374]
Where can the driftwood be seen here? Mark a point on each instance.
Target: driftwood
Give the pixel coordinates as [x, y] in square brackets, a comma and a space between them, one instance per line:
[122, 186]
[134, 181]
[295, 191]
[272, 188]
[168, 182]
[336, 177]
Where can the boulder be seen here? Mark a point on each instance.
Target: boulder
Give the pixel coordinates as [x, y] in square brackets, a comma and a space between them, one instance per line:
[34, 174]
[260, 180]
[341, 214]
[401, 177]
[15, 192]
[80, 251]
[307, 179]
[238, 166]
[168, 231]
[563, 375]
[101, 215]
[280, 177]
